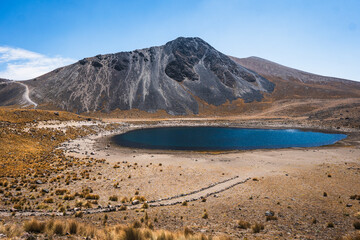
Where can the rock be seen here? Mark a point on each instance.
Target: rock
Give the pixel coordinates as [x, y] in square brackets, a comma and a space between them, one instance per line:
[38, 182]
[45, 190]
[269, 213]
[92, 153]
[83, 61]
[135, 202]
[2, 235]
[96, 64]
[56, 113]
[349, 205]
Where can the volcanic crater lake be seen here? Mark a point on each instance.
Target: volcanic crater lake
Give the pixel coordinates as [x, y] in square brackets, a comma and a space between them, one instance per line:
[222, 138]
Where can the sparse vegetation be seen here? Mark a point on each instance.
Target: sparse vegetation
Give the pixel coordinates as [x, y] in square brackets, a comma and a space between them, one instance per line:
[271, 218]
[79, 214]
[257, 227]
[113, 198]
[243, 224]
[356, 225]
[330, 225]
[205, 215]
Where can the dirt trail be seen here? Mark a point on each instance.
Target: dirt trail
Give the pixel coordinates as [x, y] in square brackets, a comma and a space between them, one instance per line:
[26, 95]
[204, 192]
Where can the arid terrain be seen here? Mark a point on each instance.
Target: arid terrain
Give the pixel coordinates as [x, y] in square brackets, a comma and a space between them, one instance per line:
[59, 166]
[61, 176]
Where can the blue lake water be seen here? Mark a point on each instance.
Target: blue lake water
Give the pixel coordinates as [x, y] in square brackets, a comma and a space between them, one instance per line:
[222, 138]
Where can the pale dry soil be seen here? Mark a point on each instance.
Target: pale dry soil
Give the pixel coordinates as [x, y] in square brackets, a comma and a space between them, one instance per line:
[290, 182]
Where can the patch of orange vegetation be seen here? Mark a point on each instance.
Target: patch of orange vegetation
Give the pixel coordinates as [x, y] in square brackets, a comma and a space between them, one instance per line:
[28, 151]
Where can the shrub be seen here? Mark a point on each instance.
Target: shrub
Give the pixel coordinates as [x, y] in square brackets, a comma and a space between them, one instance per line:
[17, 206]
[325, 194]
[270, 218]
[257, 227]
[136, 224]
[79, 203]
[330, 225]
[356, 225]
[113, 198]
[73, 227]
[87, 204]
[205, 215]
[79, 214]
[132, 233]
[48, 200]
[145, 206]
[34, 226]
[60, 191]
[69, 197]
[150, 225]
[353, 197]
[59, 228]
[122, 208]
[243, 224]
[184, 203]
[92, 196]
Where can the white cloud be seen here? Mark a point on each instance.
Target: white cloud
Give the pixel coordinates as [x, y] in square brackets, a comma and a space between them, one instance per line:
[21, 64]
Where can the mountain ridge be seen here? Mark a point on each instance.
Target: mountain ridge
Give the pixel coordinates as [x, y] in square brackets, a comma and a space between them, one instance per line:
[179, 77]
[157, 78]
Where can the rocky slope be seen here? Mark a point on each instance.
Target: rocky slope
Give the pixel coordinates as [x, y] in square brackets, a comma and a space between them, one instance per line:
[293, 83]
[11, 93]
[173, 77]
[184, 76]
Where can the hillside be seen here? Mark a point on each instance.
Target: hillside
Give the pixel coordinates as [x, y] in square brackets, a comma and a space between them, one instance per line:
[171, 77]
[294, 84]
[185, 76]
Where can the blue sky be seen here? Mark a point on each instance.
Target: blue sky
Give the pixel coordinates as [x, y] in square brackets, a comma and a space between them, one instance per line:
[319, 36]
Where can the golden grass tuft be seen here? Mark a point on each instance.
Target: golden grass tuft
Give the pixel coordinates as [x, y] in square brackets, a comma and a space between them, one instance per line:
[243, 224]
[34, 226]
[113, 198]
[257, 227]
[77, 230]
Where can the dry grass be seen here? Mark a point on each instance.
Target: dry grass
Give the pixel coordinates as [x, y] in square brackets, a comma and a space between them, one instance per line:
[356, 225]
[75, 229]
[113, 198]
[355, 236]
[243, 224]
[257, 227]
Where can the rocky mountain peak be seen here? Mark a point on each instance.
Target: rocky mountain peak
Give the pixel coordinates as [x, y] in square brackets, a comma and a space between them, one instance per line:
[172, 77]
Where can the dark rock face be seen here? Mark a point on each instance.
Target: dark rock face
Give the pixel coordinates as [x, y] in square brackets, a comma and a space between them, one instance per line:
[157, 78]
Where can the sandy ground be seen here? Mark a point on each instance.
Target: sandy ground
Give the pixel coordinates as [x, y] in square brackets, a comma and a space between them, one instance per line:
[238, 185]
[229, 186]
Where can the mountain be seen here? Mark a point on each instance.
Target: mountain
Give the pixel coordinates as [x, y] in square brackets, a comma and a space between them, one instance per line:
[295, 84]
[172, 77]
[184, 76]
